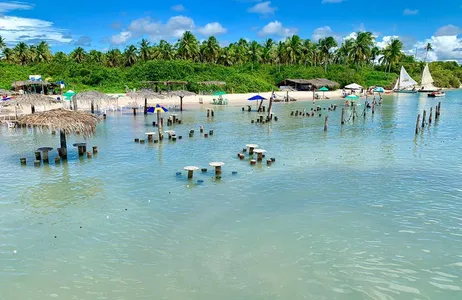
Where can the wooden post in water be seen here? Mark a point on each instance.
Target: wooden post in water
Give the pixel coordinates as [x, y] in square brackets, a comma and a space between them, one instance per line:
[181, 103]
[325, 123]
[417, 124]
[354, 113]
[342, 121]
[145, 106]
[373, 107]
[270, 105]
[92, 107]
[430, 118]
[423, 119]
[439, 109]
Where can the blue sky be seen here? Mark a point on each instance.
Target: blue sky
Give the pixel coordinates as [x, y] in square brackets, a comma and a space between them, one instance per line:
[114, 24]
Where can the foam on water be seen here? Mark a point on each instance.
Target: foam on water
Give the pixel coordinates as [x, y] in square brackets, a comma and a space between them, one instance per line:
[364, 211]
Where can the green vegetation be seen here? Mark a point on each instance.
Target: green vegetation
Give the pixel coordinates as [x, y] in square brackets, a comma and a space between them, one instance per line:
[244, 66]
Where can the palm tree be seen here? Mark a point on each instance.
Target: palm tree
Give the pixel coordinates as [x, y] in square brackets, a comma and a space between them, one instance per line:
[113, 58]
[361, 48]
[60, 57]
[42, 52]
[130, 55]
[267, 52]
[428, 47]
[242, 51]
[96, 57]
[227, 56]
[164, 51]
[325, 46]
[392, 53]
[2, 43]
[254, 52]
[8, 55]
[79, 55]
[343, 54]
[211, 49]
[22, 53]
[188, 46]
[280, 54]
[293, 49]
[145, 50]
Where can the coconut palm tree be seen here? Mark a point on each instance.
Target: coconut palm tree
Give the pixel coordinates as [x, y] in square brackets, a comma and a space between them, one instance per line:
[428, 47]
[268, 48]
[96, 57]
[42, 52]
[242, 51]
[22, 53]
[211, 50]
[60, 57]
[293, 49]
[130, 55]
[254, 52]
[79, 55]
[163, 51]
[113, 58]
[280, 55]
[325, 46]
[188, 47]
[392, 53]
[2, 43]
[8, 55]
[145, 50]
[361, 48]
[343, 54]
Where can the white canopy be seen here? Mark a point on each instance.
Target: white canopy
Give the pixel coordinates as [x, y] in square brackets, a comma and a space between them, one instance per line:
[353, 86]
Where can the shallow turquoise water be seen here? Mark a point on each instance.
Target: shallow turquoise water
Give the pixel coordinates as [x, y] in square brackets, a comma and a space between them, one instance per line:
[364, 211]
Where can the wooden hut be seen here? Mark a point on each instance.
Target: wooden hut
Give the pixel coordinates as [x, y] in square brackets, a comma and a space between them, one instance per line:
[308, 84]
[154, 85]
[34, 87]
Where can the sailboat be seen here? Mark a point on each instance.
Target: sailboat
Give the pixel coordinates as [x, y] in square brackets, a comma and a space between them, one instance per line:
[427, 81]
[404, 83]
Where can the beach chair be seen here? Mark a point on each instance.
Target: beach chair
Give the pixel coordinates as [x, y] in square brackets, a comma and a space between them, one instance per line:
[201, 101]
[225, 101]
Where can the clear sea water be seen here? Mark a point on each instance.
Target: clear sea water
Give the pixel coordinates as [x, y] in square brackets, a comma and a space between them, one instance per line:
[363, 211]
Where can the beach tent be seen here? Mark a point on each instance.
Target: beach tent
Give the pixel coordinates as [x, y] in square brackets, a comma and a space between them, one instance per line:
[69, 94]
[379, 90]
[352, 97]
[220, 93]
[353, 86]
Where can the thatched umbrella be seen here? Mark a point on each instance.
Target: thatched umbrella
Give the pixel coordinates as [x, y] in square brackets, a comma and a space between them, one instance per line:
[92, 97]
[182, 94]
[5, 92]
[64, 120]
[146, 94]
[32, 100]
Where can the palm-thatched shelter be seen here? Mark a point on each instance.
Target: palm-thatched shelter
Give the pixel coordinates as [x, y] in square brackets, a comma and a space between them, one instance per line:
[217, 83]
[33, 100]
[154, 85]
[145, 94]
[64, 120]
[93, 97]
[5, 92]
[182, 94]
[31, 86]
[308, 84]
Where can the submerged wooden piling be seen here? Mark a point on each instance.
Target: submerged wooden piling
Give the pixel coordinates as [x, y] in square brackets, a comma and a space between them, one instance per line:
[325, 123]
[342, 120]
[23, 161]
[37, 163]
[423, 118]
[417, 124]
[95, 149]
[430, 118]
[38, 156]
[57, 160]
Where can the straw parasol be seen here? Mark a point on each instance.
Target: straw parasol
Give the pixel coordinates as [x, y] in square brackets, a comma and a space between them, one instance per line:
[182, 94]
[32, 100]
[64, 120]
[5, 92]
[93, 97]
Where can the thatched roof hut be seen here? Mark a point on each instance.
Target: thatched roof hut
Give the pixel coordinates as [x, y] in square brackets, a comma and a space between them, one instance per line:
[69, 121]
[146, 94]
[33, 86]
[183, 93]
[32, 100]
[5, 92]
[309, 84]
[94, 97]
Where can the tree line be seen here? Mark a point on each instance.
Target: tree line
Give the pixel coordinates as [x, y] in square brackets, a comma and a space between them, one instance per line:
[357, 52]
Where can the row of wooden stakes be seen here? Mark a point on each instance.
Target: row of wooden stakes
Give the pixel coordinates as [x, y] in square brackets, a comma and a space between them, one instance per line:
[419, 125]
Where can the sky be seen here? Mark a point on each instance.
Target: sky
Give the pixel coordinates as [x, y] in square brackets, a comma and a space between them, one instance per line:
[104, 24]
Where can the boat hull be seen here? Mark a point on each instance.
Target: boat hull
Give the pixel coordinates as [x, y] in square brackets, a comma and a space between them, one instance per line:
[427, 91]
[406, 92]
[436, 95]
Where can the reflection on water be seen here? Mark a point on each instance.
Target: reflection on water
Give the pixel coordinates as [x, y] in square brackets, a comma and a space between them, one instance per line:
[367, 210]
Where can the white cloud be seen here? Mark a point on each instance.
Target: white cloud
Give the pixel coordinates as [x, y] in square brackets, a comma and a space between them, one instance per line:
[448, 47]
[331, 1]
[178, 8]
[263, 8]
[10, 6]
[121, 38]
[212, 29]
[448, 30]
[410, 12]
[386, 40]
[276, 28]
[16, 29]
[325, 31]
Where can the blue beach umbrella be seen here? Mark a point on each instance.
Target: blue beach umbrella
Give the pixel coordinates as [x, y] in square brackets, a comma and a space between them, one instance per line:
[379, 90]
[256, 98]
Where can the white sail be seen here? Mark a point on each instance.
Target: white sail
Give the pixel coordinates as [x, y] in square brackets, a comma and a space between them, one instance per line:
[396, 85]
[427, 80]
[405, 81]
